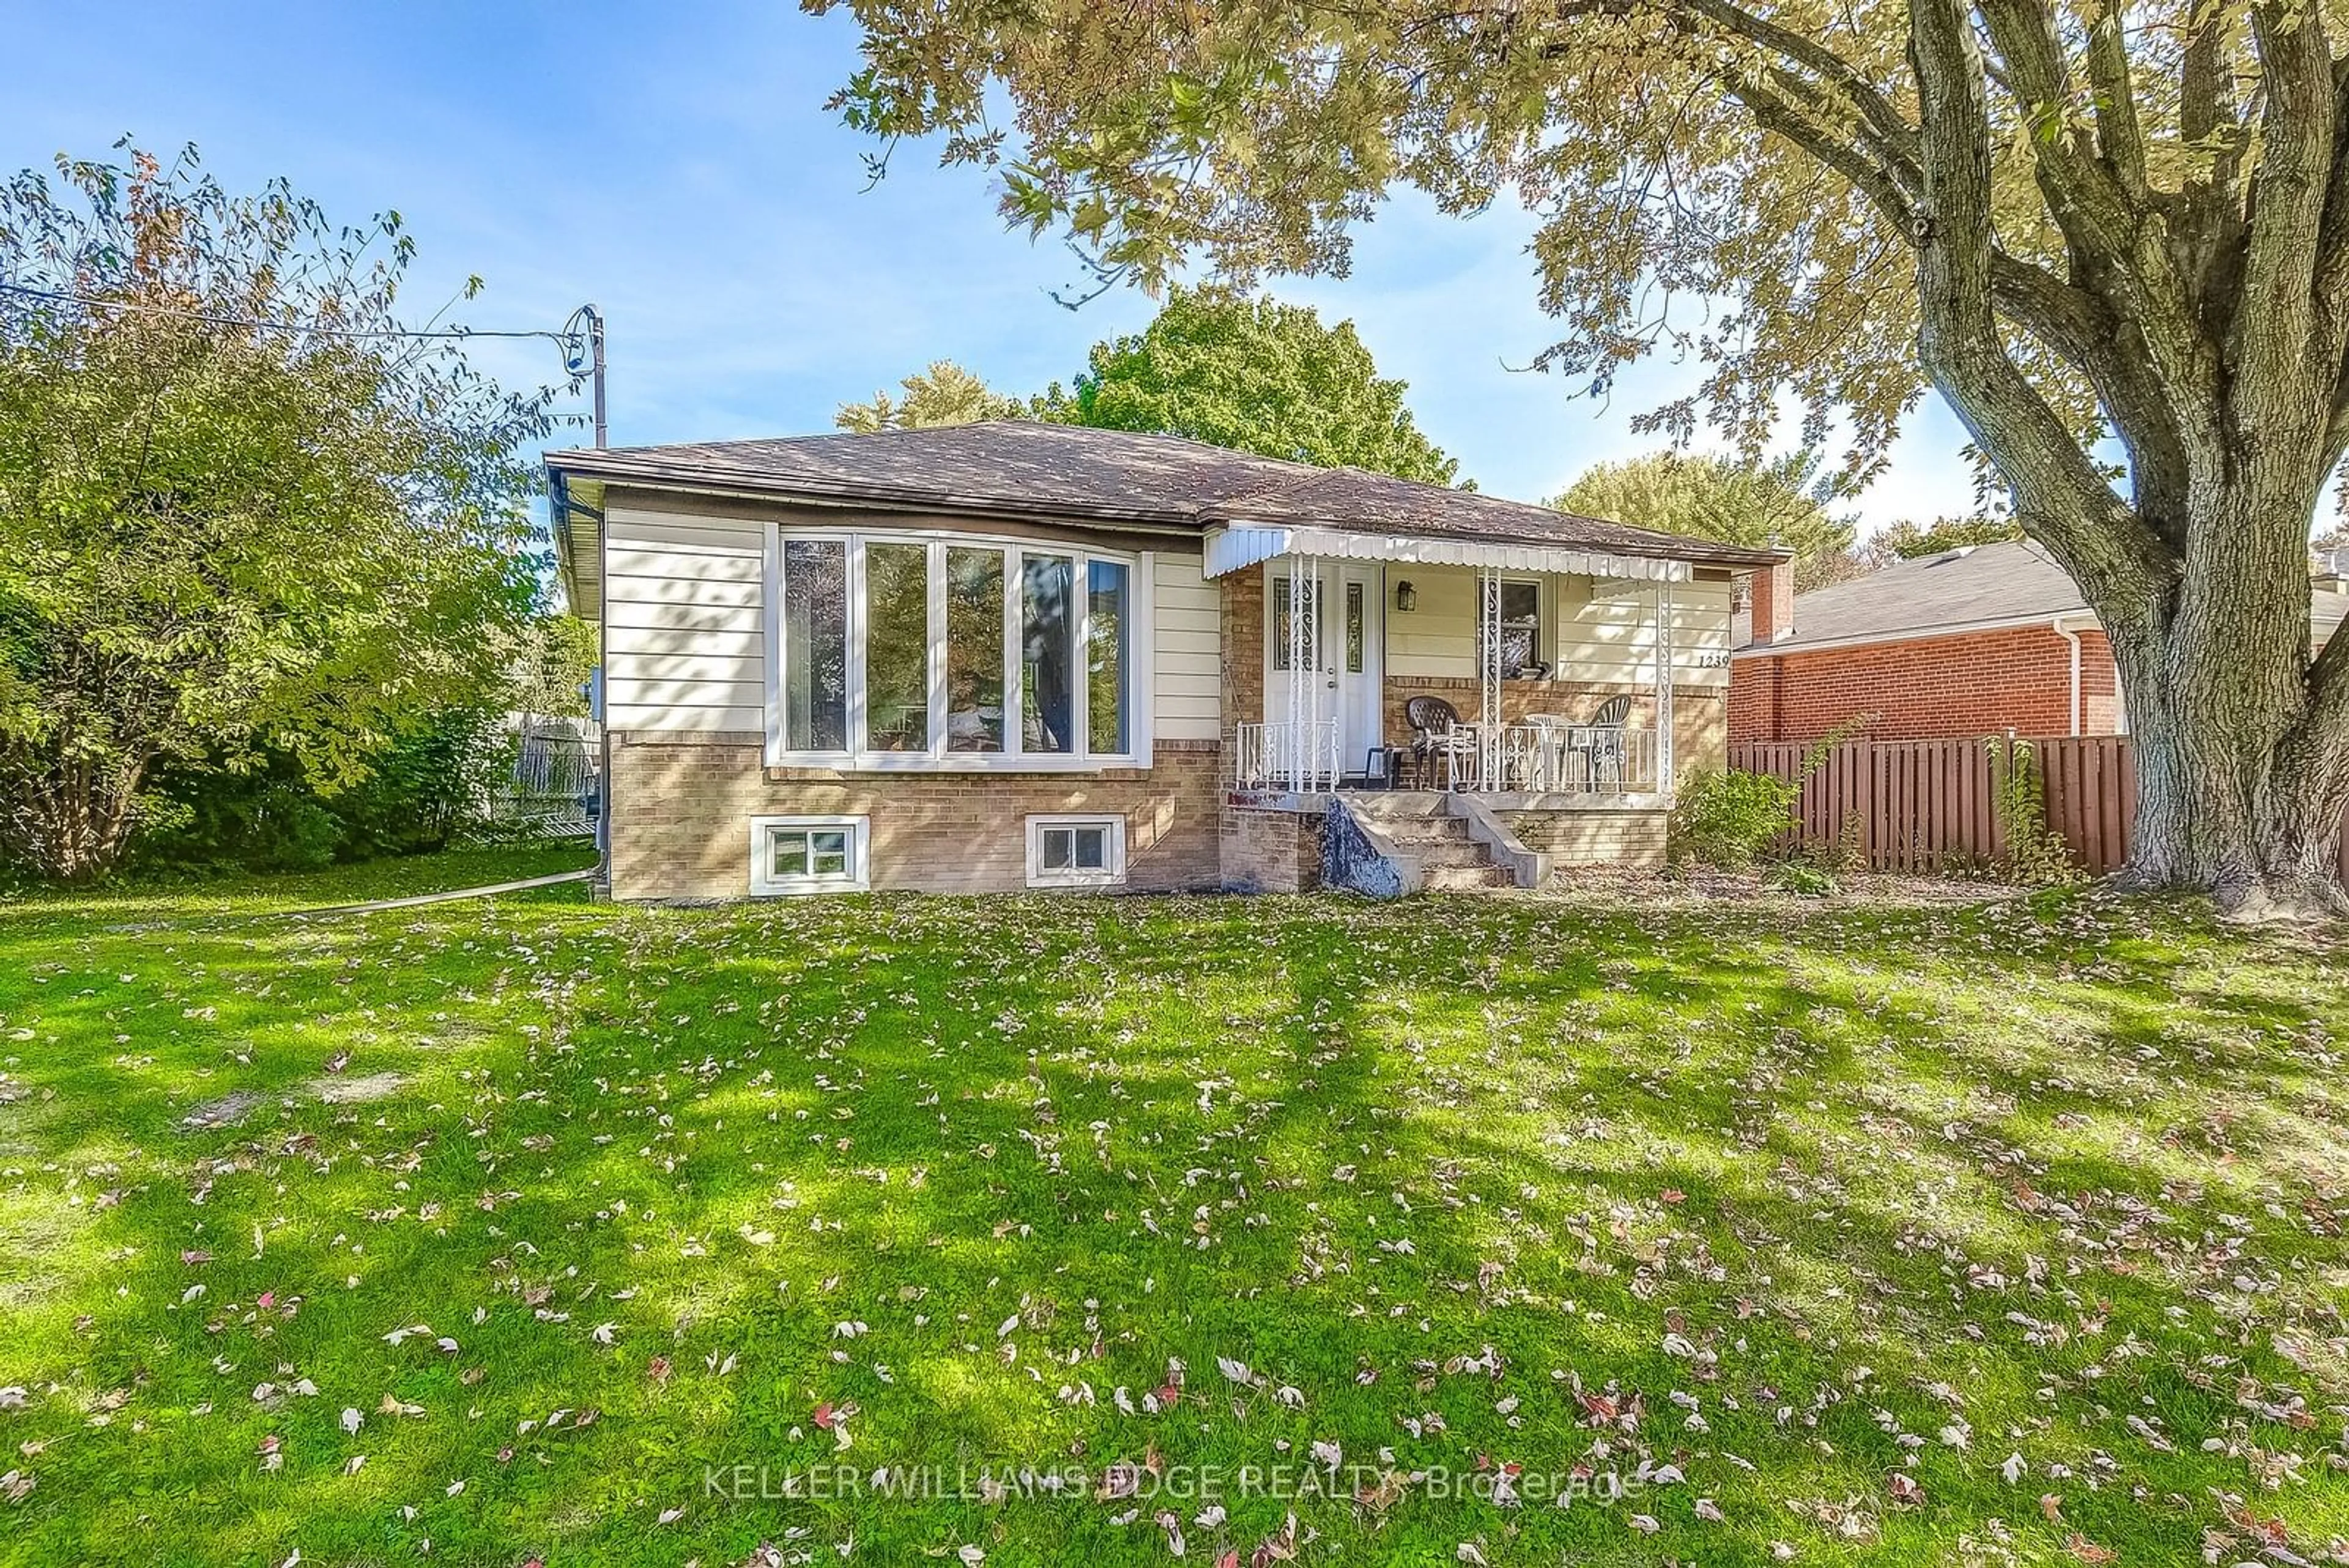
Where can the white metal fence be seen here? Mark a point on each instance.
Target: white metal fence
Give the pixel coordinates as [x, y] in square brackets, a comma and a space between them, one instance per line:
[551, 786]
[1301, 757]
[1548, 759]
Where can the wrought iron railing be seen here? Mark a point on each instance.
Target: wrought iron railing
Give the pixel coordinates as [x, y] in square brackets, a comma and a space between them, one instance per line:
[1298, 756]
[1557, 759]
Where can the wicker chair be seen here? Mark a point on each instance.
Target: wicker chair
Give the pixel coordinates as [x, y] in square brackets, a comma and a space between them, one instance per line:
[1436, 732]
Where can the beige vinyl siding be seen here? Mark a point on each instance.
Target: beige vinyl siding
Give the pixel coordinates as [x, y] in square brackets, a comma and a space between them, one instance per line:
[1186, 611]
[684, 623]
[1592, 628]
[685, 630]
[1439, 637]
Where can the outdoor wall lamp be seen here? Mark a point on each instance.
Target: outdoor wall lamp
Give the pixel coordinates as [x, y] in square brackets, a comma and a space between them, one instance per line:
[1406, 597]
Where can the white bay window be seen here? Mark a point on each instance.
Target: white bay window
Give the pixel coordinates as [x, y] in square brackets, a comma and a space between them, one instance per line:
[948, 651]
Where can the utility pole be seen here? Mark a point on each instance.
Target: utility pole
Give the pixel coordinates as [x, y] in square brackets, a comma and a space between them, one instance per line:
[591, 364]
[596, 355]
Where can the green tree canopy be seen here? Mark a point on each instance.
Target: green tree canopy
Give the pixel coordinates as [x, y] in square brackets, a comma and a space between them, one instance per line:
[945, 394]
[1908, 539]
[1781, 505]
[217, 537]
[2077, 224]
[1250, 374]
[1256, 376]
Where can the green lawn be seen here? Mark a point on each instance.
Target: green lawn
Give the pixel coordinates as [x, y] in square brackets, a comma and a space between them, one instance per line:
[536, 1228]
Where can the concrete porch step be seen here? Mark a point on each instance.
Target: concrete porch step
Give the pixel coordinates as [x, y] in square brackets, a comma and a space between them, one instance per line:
[1426, 830]
[1433, 853]
[1389, 805]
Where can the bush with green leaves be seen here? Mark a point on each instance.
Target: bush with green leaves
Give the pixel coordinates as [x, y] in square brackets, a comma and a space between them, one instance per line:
[241, 517]
[2036, 855]
[1805, 881]
[1727, 819]
[423, 791]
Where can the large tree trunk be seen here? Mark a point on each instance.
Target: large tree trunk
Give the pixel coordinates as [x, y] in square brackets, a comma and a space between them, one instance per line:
[2225, 811]
[2212, 336]
[2241, 779]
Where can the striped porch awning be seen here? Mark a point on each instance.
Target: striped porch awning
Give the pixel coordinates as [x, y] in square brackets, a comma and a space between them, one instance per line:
[1231, 548]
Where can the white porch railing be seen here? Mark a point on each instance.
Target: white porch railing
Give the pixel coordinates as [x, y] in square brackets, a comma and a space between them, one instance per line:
[1301, 757]
[1554, 759]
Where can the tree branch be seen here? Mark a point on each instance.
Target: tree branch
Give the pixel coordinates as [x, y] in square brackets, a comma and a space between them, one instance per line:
[2273, 329]
[2116, 558]
[2117, 130]
[1780, 103]
[2112, 251]
[1894, 134]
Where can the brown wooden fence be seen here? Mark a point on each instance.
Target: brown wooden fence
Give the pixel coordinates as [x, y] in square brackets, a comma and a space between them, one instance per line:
[1926, 805]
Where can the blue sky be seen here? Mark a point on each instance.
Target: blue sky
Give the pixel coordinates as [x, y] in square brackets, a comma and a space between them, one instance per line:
[675, 165]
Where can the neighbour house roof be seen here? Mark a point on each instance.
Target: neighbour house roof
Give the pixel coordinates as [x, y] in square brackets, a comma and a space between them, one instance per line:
[1931, 595]
[1027, 468]
[1972, 589]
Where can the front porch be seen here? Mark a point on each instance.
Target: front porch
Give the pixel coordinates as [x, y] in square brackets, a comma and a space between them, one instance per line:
[1542, 761]
[1482, 667]
[1405, 713]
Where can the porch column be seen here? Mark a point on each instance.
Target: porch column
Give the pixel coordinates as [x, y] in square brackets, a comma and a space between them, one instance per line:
[1305, 676]
[1664, 672]
[1488, 676]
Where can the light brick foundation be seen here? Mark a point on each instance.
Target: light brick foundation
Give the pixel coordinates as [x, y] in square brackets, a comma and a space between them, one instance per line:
[1271, 850]
[681, 810]
[1594, 837]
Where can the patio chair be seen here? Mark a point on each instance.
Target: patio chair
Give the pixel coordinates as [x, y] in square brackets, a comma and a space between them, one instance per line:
[1552, 734]
[1436, 732]
[1600, 741]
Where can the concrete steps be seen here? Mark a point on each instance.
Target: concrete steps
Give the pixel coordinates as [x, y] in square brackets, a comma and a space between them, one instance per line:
[1422, 827]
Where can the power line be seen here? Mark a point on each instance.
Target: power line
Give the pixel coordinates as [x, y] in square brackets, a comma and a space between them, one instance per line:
[566, 338]
[581, 340]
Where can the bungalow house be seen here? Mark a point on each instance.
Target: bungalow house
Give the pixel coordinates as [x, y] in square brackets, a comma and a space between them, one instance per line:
[1972, 641]
[1020, 655]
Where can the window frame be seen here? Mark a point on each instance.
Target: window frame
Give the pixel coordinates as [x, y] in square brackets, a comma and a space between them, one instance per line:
[1141, 674]
[1540, 654]
[857, 879]
[1112, 875]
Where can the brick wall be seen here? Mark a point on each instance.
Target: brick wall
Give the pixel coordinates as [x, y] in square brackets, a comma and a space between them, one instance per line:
[1979, 683]
[1271, 850]
[681, 810]
[1595, 837]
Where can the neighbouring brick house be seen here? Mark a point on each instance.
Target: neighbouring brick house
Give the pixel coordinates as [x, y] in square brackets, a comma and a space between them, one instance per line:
[1973, 641]
[1021, 655]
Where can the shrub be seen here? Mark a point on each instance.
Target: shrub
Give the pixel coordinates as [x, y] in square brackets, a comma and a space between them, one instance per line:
[2036, 855]
[1726, 819]
[422, 790]
[1808, 881]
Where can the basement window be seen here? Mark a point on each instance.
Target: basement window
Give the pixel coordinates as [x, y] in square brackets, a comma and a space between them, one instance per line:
[808, 854]
[1076, 851]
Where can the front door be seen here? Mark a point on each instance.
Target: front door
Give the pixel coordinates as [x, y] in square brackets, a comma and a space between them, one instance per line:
[1346, 660]
[1356, 594]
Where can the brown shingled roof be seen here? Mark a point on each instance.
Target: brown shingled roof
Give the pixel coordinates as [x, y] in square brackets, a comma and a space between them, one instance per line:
[1071, 471]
